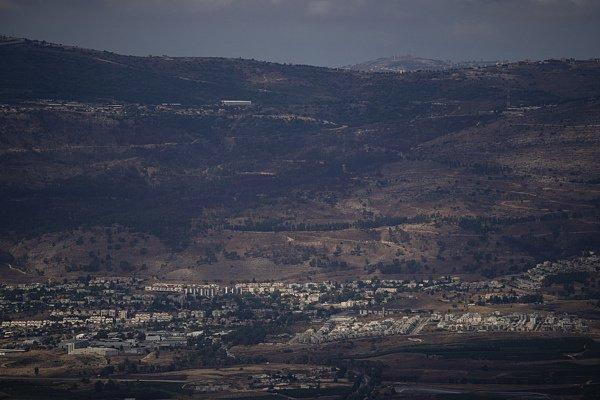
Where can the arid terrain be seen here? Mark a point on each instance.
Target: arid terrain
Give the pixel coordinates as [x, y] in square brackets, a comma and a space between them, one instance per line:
[330, 173]
[346, 235]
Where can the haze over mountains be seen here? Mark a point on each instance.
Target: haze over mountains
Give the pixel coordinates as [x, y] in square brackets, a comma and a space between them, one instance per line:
[115, 164]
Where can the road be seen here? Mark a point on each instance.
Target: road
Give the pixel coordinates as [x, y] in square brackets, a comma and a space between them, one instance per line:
[67, 379]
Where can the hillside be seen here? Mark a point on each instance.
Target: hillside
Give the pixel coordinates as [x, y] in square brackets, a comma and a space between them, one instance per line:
[408, 63]
[117, 164]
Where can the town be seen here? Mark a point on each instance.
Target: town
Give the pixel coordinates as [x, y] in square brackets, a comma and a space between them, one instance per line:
[123, 315]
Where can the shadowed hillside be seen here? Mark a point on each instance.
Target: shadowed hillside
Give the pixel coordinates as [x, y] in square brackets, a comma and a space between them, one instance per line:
[119, 164]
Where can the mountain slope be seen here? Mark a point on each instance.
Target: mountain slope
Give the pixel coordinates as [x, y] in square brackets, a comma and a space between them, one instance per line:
[330, 173]
[408, 63]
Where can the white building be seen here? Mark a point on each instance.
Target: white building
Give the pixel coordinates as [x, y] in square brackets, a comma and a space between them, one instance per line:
[238, 103]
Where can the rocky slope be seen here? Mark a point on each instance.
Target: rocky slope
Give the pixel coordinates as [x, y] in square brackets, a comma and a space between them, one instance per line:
[408, 63]
[115, 164]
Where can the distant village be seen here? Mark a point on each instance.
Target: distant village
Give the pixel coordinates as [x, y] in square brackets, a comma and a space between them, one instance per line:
[119, 109]
[121, 315]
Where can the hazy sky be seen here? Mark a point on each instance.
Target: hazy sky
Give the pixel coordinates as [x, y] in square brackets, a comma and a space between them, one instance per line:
[320, 32]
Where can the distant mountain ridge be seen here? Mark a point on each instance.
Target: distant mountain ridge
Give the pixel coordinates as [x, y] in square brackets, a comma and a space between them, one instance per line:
[409, 63]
